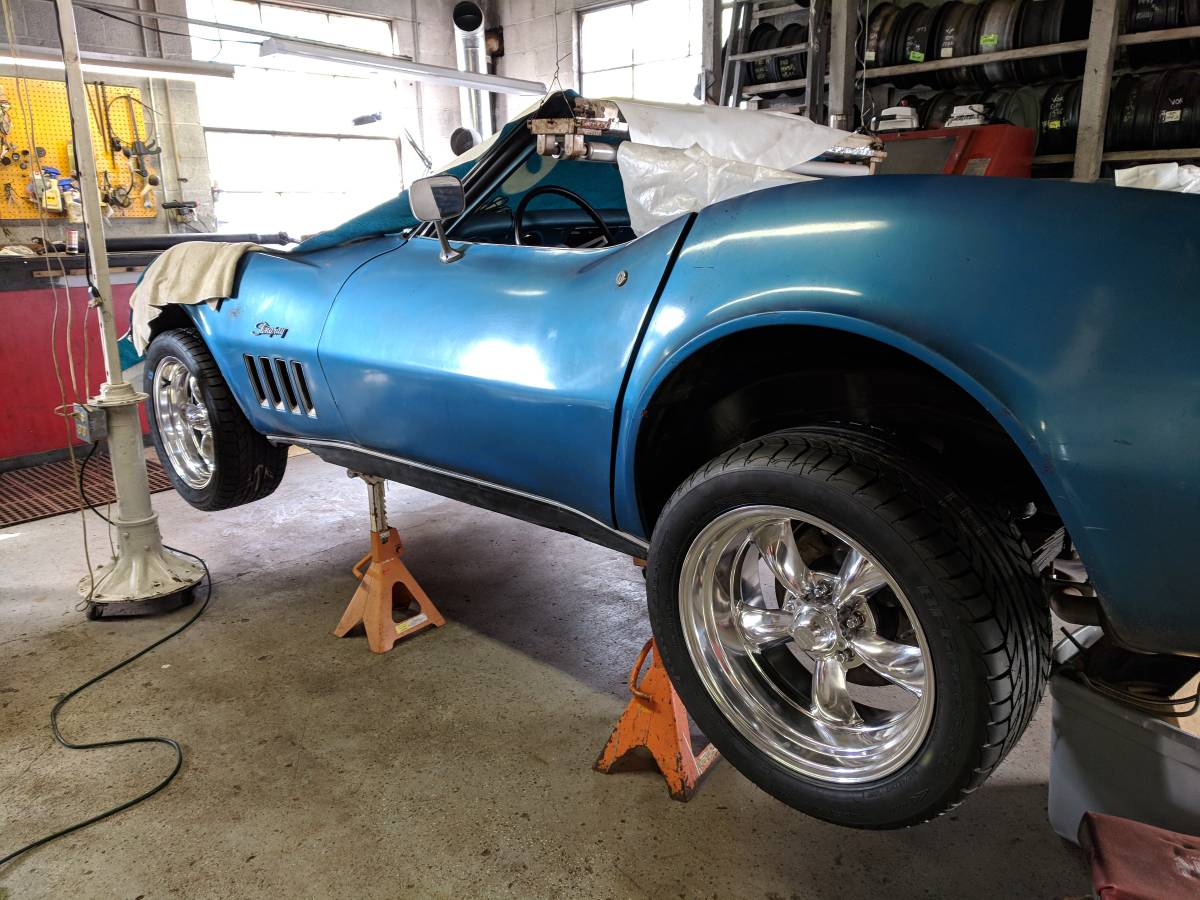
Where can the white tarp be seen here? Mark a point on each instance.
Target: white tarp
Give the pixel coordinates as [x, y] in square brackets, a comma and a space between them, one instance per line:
[758, 137]
[680, 159]
[1161, 177]
[662, 183]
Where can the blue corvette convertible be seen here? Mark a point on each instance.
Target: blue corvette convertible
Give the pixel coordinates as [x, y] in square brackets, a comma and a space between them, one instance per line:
[856, 425]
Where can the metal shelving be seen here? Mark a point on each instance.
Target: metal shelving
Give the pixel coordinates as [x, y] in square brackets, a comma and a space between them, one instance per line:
[747, 13]
[838, 43]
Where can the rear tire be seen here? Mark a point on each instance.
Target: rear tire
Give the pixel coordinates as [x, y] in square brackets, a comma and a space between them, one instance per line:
[210, 451]
[954, 567]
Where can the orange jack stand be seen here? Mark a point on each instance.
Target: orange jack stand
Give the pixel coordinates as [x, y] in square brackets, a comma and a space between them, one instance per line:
[384, 582]
[655, 719]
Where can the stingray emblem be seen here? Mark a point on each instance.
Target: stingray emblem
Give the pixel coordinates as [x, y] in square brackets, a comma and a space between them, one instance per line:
[266, 329]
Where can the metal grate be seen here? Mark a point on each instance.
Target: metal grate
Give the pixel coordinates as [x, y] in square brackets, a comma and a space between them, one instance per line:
[50, 489]
[280, 384]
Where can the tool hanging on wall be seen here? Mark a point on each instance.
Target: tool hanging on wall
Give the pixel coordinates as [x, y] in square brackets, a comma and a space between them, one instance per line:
[44, 189]
[138, 152]
[23, 155]
[5, 124]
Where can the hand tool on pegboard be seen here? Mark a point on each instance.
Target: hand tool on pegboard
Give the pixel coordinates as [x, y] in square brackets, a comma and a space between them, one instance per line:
[5, 123]
[47, 107]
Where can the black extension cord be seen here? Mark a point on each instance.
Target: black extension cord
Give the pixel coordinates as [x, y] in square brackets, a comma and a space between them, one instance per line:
[120, 742]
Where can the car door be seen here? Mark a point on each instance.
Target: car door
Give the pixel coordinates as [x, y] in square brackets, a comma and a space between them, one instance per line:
[505, 366]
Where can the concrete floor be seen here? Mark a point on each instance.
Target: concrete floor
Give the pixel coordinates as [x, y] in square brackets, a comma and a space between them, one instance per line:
[456, 766]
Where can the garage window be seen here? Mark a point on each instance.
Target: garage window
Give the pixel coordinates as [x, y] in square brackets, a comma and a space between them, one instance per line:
[647, 49]
[283, 152]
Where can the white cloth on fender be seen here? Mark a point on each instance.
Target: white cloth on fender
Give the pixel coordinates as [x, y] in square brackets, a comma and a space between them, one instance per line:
[191, 272]
[1161, 177]
[663, 183]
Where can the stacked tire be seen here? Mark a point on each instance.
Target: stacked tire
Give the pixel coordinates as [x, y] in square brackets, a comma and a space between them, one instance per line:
[1156, 15]
[784, 67]
[1152, 111]
[918, 33]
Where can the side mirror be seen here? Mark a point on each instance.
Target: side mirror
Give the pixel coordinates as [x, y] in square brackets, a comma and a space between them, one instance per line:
[435, 199]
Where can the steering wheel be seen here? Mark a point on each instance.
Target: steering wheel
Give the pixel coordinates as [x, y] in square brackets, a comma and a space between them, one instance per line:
[519, 216]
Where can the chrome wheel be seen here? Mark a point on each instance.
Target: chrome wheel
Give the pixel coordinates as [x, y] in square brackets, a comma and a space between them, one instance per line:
[183, 422]
[806, 644]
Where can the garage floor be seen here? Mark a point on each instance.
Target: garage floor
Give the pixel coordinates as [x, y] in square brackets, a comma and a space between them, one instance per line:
[456, 766]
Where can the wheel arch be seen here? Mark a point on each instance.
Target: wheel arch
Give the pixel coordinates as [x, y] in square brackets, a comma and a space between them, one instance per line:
[194, 317]
[708, 386]
[173, 315]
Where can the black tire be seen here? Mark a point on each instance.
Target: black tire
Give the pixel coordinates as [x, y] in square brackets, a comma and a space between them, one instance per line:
[247, 467]
[968, 576]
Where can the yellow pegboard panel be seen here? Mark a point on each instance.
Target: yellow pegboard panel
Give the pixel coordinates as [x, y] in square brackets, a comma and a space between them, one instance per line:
[46, 103]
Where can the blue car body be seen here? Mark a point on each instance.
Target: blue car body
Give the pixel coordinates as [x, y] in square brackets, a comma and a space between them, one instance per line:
[519, 377]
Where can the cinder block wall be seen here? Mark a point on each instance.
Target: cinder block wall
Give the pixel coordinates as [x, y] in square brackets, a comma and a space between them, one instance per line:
[532, 46]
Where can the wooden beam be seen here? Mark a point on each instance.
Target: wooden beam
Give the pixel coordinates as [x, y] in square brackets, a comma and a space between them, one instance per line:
[1097, 81]
[818, 51]
[843, 34]
[710, 51]
[1125, 156]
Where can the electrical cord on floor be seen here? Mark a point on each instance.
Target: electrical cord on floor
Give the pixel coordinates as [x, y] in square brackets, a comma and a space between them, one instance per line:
[119, 742]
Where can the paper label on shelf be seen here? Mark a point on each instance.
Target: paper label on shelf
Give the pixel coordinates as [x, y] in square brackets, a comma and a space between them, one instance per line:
[916, 56]
[947, 52]
[989, 40]
[870, 56]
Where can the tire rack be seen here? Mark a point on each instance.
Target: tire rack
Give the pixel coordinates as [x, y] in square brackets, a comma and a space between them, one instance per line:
[1100, 46]
[748, 12]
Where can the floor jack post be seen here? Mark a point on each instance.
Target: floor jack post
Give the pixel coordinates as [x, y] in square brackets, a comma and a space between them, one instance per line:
[656, 720]
[143, 576]
[385, 580]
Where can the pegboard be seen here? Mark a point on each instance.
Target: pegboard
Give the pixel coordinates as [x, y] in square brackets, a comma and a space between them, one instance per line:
[45, 102]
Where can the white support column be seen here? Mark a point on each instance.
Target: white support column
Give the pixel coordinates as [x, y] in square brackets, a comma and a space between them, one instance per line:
[142, 570]
[1097, 81]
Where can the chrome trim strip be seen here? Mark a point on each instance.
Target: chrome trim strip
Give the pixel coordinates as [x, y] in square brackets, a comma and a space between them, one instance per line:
[446, 473]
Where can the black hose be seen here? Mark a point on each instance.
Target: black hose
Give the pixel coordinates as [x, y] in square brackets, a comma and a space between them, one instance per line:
[120, 742]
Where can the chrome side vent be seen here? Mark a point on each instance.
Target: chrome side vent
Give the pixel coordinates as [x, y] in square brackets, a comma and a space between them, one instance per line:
[255, 381]
[280, 384]
[285, 383]
[302, 388]
[268, 377]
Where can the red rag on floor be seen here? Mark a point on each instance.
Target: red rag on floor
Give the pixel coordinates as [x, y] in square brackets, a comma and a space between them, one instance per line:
[1133, 861]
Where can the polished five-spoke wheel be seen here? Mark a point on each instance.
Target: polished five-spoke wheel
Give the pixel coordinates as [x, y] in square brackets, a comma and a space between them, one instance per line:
[211, 452]
[183, 422]
[854, 634]
[819, 662]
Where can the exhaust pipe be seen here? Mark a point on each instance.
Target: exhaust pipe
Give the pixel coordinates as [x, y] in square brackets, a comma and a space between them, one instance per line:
[472, 57]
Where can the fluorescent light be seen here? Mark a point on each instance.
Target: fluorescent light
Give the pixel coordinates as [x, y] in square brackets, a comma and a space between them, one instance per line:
[113, 64]
[346, 56]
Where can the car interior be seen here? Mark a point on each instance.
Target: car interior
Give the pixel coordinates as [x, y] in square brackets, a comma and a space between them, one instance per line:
[550, 202]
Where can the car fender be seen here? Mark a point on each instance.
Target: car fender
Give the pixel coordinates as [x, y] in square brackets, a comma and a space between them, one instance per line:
[278, 311]
[1086, 359]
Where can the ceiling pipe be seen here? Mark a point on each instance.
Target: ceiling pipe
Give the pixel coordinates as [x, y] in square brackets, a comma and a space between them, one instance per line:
[471, 56]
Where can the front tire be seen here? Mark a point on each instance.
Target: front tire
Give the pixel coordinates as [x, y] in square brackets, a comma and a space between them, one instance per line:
[212, 454]
[857, 637]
